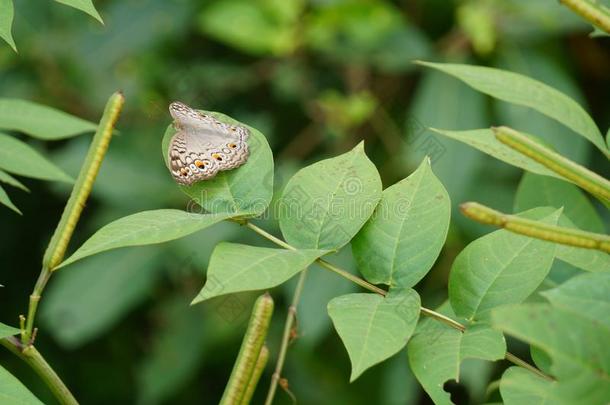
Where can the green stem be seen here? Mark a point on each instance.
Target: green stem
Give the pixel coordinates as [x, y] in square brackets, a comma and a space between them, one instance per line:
[373, 288]
[290, 318]
[577, 174]
[591, 11]
[34, 359]
[249, 352]
[74, 207]
[535, 229]
[261, 362]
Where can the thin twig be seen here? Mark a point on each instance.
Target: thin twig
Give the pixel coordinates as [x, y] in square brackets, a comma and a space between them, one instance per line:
[290, 318]
[597, 14]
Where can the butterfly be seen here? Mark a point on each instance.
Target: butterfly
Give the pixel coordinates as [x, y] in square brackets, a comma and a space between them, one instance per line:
[203, 146]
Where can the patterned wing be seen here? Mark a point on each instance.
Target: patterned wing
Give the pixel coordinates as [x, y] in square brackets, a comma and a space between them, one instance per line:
[203, 146]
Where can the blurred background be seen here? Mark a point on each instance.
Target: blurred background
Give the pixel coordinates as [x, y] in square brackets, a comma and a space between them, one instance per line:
[315, 77]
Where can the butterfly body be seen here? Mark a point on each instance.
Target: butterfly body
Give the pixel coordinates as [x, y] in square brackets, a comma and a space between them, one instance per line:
[203, 146]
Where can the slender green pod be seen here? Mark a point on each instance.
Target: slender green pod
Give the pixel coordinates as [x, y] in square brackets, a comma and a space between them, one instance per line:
[251, 346]
[592, 11]
[577, 174]
[535, 229]
[261, 362]
[84, 183]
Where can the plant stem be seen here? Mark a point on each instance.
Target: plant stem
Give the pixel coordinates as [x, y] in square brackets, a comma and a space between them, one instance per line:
[577, 174]
[34, 359]
[74, 207]
[591, 11]
[249, 352]
[373, 288]
[290, 318]
[535, 229]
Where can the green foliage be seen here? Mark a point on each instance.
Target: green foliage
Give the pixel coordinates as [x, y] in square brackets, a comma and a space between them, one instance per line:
[521, 90]
[498, 269]
[436, 352]
[324, 205]
[145, 228]
[373, 327]
[400, 243]
[6, 330]
[84, 6]
[13, 392]
[7, 13]
[235, 268]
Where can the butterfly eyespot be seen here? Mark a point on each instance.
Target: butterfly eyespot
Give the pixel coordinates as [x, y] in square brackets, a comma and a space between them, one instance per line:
[233, 129]
[217, 157]
[199, 163]
[232, 146]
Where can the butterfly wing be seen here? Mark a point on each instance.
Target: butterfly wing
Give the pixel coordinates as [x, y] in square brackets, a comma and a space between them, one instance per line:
[203, 147]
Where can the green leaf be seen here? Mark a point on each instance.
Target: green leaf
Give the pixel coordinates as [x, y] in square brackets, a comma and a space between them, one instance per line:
[372, 327]
[403, 238]
[20, 158]
[520, 386]
[8, 179]
[40, 121]
[6, 331]
[5, 200]
[586, 295]
[538, 191]
[500, 268]
[538, 65]
[6, 22]
[522, 90]
[145, 228]
[485, 141]
[324, 205]
[248, 188]
[436, 352]
[107, 285]
[235, 268]
[576, 344]
[12, 391]
[83, 5]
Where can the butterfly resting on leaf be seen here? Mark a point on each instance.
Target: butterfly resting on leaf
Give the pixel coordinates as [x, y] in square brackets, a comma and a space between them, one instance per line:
[203, 146]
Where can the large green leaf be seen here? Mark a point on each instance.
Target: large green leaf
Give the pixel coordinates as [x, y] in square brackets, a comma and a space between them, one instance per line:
[577, 345]
[6, 331]
[6, 22]
[587, 294]
[13, 392]
[40, 121]
[107, 285]
[235, 267]
[83, 5]
[324, 205]
[373, 327]
[500, 268]
[543, 191]
[436, 352]
[248, 188]
[19, 158]
[520, 386]
[522, 90]
[6, 201]
[485, 141]
[403, 238]
[145, 228]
